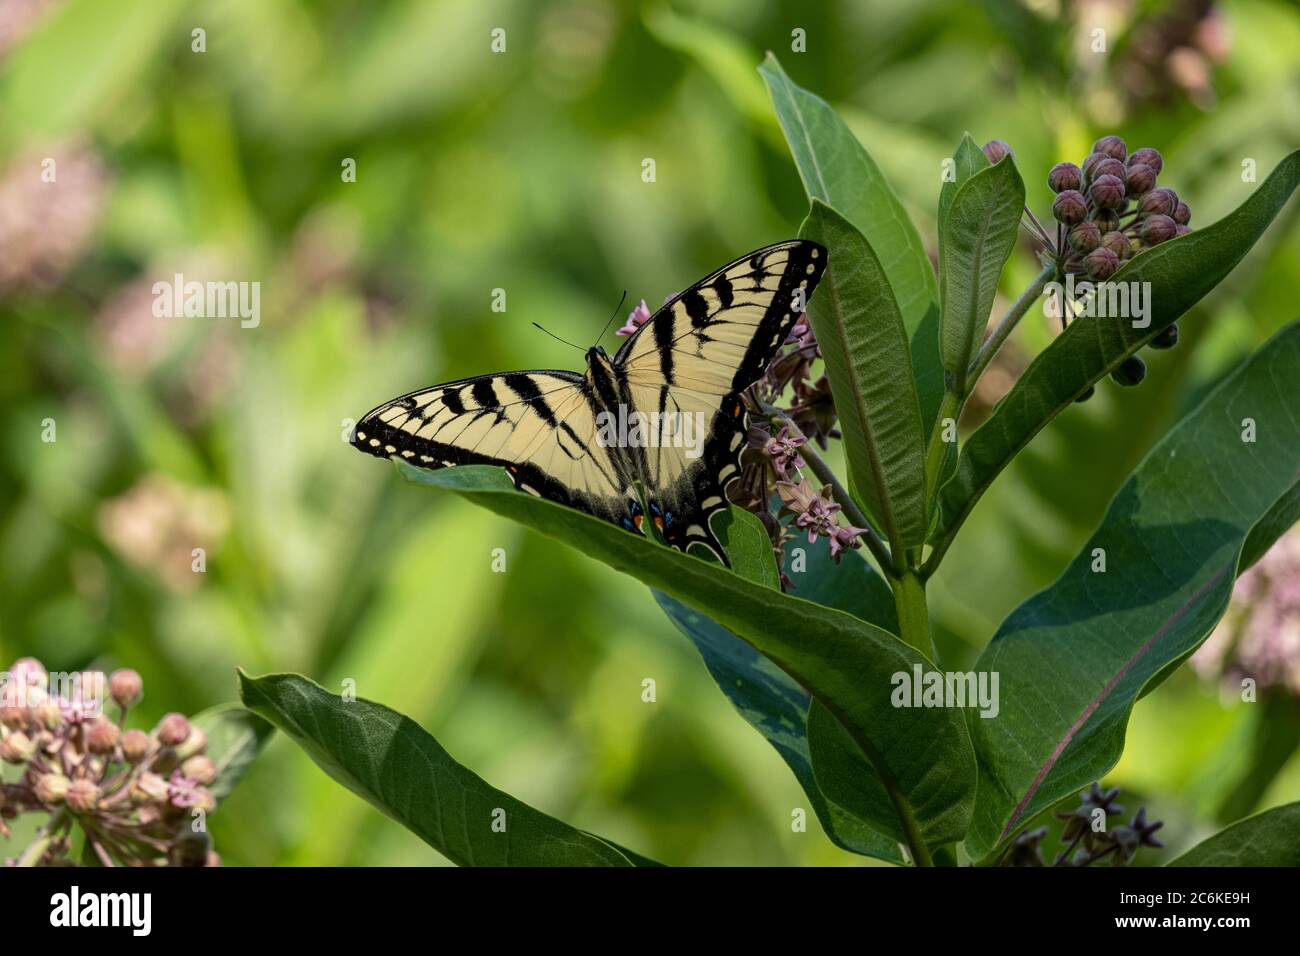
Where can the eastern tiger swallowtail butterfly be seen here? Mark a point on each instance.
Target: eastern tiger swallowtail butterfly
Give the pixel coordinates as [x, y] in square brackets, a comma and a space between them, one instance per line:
[566, 436]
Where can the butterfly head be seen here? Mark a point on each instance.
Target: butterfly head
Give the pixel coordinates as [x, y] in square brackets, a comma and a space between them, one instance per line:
[598, 358]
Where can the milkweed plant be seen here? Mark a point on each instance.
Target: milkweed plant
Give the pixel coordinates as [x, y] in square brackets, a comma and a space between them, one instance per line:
[857, 480]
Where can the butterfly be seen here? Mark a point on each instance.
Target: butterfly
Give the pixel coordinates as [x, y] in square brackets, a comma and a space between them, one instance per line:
[654, 433]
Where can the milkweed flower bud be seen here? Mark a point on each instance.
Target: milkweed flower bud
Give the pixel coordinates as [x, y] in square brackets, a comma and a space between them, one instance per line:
[1157, 229]
[29, 672]
[1182, 214]
[1109, 167]
[1117, 243]
[1107, 192]
[1064, 176]
[1182, 230]
[14, 716]
[135, 746]
[149, 787]
[1160, 202]
[1070, 207]
[1090, 165]
[49, 715]
[1084, 237]
[1166, 339]
[126, 687]
[17, 748]
[1130, 372]
[1087, 393]
[1146, 156]
[996, 149]
[1101, 263]
[173, 729]
[193, 744]
[50, 788]
[101, 736]
[1140, 179]
[1107, 220]
[200, 769]
[83, 796]
[1111, 146]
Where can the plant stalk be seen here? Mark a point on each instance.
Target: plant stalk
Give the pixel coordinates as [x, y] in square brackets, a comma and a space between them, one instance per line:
[1008, 323]
[913, 613]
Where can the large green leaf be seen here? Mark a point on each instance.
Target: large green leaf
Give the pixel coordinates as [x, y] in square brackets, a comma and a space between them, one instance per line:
[842, 661]
[1271, 838]
[394, 764]
[836, 169]
[768, 699]
[1180, 272]
[1074, 658]
[773, 704]
[865, 347]
[235, 738]
[976, 235]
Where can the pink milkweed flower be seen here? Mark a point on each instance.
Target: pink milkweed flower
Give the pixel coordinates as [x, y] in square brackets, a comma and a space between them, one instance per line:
[635, 319]
[783, 449]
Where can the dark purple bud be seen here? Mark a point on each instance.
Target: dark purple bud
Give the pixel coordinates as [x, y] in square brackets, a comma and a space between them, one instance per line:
[1107, 192]
[1182, 214]
[1064, 176]
[1160, 202]
[1146, 156]
[1117, 243]
[1107, 220]
[1070, 207]
[1167, 339]
[1111, 146]
[1101, 263]
[1084, 237]
[1158, 229]
[1087, 393]
[1140, 179]
[1182, 231]
[1130, 372]
[1090, 164]
[996, 149]
[1109, 167]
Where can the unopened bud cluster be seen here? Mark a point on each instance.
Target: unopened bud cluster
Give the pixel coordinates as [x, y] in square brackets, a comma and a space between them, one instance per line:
[133, 794]
[1110, 209]
[1087, 835]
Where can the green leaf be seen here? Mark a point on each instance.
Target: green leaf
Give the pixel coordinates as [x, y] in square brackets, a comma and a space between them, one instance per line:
[1180, 271]
[844, 662]
[865, 347]
[836, 169]
[773, 704]
[976, 235]
[235, 738]
[1073, 659]
[1271, 838]
[394, 764]
[968, 159]
[748, 546]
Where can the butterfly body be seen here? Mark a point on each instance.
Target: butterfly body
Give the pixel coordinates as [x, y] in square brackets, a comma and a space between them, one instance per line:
[652, 434]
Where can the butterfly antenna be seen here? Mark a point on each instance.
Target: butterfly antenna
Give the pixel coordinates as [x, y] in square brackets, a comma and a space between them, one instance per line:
[558, 339]
[617, 309]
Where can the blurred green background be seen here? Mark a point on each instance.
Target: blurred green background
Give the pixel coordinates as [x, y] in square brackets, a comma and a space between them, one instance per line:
[522, 171]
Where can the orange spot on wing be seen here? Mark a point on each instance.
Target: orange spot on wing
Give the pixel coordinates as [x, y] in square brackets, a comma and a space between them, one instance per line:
[637, 521]
[659, 523]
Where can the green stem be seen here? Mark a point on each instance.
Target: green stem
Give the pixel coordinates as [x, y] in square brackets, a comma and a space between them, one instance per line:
[949, 409]
[1005, 327]
[913, 614]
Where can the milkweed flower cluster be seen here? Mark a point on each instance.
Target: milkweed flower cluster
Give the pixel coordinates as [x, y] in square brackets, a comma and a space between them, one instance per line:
[1086, 836]
[1259, 638]
[139, 798]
